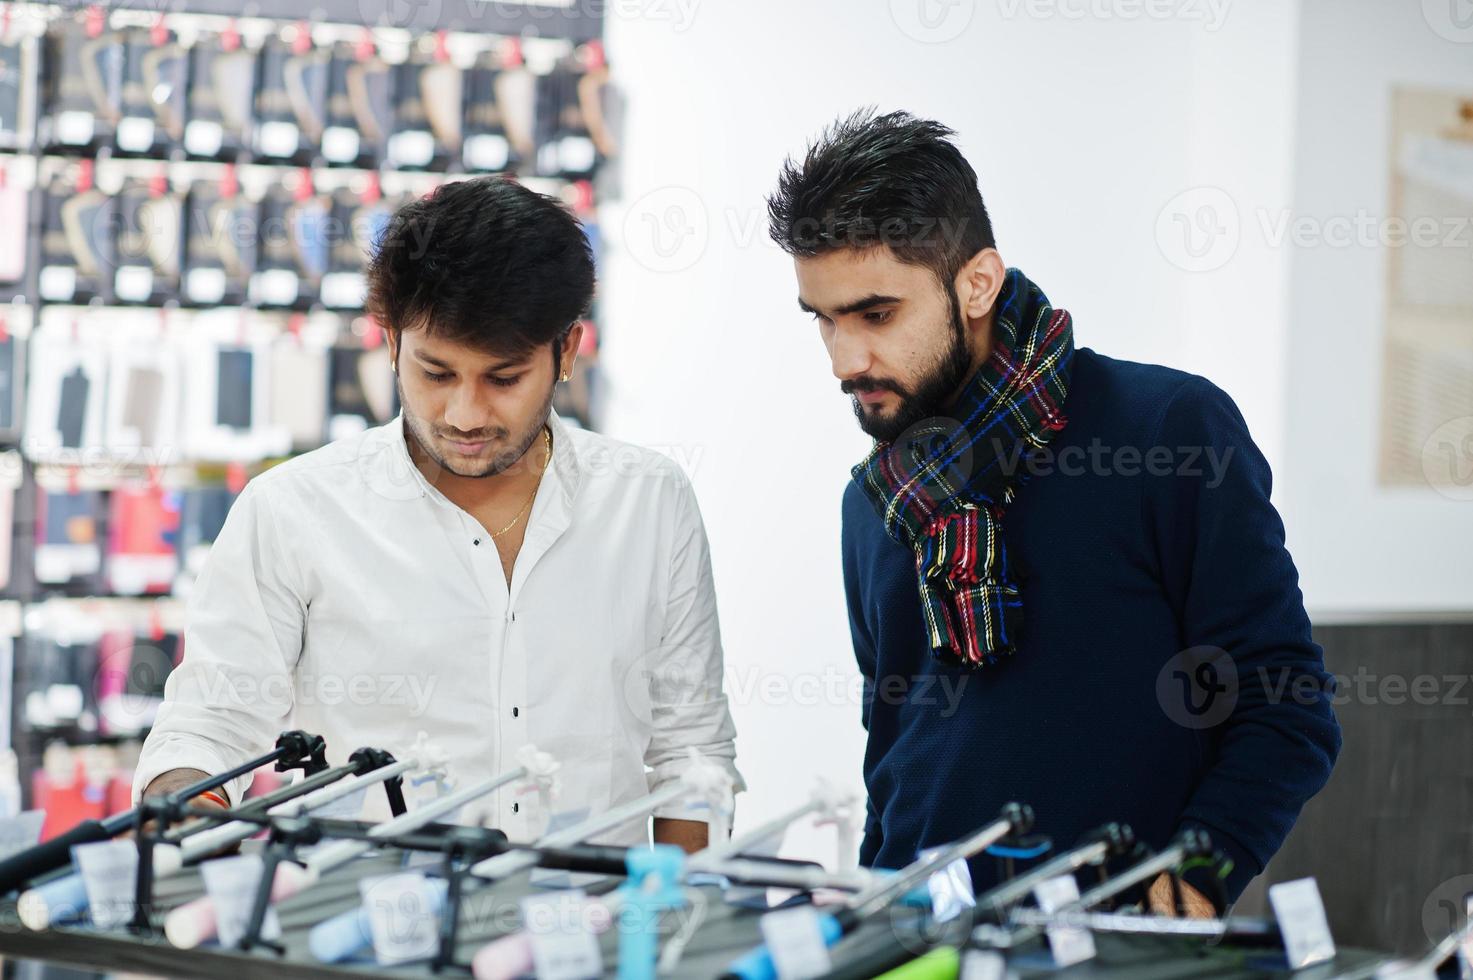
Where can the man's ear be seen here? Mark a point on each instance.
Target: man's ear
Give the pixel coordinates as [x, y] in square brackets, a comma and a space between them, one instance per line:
[393, 340]
[568, 352]
[978, 282]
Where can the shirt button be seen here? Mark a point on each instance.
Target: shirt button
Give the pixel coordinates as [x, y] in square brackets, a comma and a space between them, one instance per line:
[516, 807]
[515, 712]
[477, 541]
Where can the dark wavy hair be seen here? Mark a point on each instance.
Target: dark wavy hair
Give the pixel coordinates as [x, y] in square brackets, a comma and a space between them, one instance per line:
[882, 181]
[485, 263]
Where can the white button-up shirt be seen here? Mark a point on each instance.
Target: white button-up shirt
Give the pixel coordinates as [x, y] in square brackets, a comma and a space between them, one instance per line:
[348, 597]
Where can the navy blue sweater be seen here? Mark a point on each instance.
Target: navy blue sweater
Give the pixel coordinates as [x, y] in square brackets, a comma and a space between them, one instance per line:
[1144, 545]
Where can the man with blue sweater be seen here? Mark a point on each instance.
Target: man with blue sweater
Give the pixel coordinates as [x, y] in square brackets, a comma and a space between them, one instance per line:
[1066, 583]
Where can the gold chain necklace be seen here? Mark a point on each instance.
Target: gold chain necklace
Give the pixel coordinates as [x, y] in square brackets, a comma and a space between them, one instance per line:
[547, 442]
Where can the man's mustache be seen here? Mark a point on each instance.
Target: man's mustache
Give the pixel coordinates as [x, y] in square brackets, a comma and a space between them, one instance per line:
[870, 384]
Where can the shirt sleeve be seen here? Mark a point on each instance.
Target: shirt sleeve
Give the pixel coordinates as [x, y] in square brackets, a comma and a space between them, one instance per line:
[1235, 590]
[688, 704]
[232, 693]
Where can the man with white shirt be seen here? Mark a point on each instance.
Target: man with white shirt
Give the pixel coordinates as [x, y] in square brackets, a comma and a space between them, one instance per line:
[475, 569]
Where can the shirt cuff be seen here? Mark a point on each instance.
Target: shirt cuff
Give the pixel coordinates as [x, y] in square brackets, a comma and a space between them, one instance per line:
[683, 809]
[177, 752]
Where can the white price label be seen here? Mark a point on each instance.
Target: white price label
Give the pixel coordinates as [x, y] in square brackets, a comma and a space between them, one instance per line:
[486, 151]
[795, 940]
[231, 884]
[203, 137]
[277, 139]
[1069, 946]
[983, 964]
[563, 943]
[133, 283]
[205, 285]
[339, 144]
[403, 915]
[135, 134]
[411, 148]
[343, 290]
[75, 127]
[1301, 916]
[110, 875]
[274, 287]
[58, 283]
[950, 888]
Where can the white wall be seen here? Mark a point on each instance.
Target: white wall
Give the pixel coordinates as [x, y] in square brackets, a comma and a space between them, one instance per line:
[1082, 130]
[1363, 548]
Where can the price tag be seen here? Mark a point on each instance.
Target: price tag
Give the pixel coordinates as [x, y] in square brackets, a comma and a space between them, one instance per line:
[135, 134]
[110, 874]
[983, 964]
[402, 915]
[794, 939]
[75, 127]
[277, 138]
[58, 283]
[348, 807]
[950, 888]
[411, 148]
[343, 290]
[20, 832]
[133, 283]
[563, 944]
[339, 144]
[205, 285]
[231, 884]
[1301, 916]
[203, 137]
[577, 154]
[486, 151]
[274, 287]
[1069, 946]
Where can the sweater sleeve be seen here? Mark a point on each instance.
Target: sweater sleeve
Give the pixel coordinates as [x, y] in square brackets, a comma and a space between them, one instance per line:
[1271, 744]
[864, 654]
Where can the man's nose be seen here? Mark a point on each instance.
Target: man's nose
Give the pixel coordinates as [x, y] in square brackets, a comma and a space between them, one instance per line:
[850, 355]
[464, 410]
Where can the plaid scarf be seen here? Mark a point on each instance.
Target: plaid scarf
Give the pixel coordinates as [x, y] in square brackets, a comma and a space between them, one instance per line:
[941, 488]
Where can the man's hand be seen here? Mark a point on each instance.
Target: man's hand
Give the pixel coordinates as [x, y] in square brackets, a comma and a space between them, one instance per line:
[177, 779]
[1197, 905]
[689, 835]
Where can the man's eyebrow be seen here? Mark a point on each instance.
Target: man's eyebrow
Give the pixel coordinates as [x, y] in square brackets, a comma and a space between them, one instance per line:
[857, 306]
[433, 361]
